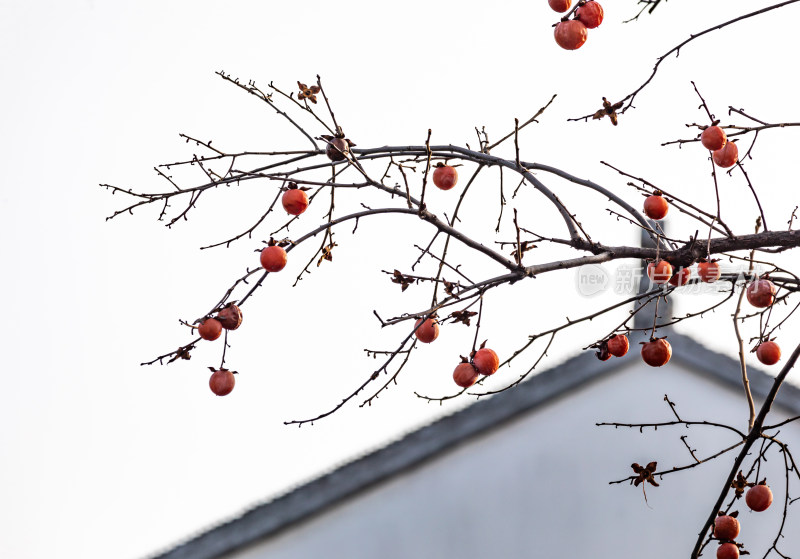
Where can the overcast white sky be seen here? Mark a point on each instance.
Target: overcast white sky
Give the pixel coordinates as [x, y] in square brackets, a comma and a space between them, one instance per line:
[101, 457]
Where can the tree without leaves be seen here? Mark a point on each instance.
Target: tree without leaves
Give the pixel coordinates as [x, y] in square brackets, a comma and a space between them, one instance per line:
[405, 174]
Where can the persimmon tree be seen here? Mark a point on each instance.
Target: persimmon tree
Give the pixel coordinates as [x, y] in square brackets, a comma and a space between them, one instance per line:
[333, 164]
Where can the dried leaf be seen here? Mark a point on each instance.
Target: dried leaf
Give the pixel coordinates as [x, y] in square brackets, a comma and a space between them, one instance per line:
[450, 287]
[326, 254]
[462, 316]
[403, 281]
[182, 353]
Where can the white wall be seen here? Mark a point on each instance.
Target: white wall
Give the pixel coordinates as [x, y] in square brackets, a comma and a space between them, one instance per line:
[538, 486]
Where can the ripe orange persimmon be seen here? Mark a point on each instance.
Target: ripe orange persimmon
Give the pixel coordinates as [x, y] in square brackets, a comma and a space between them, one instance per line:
[210, 329]
[445, 177]
[273, 258]
[656, 352]
[486, 361]
[295, 201]
[713, 138]
[590, 14]
[709, 272]
[618, 345]
[726, 527]
[727, 155]
[768, 353]
[761, 293]
[560, 6]
[221, 382]
[728, 550]
[681, 277]
[659, 272]
[428, 332]
[465, 375]
[655, 207]
[230, 317]
[758, 497]
[571, 34]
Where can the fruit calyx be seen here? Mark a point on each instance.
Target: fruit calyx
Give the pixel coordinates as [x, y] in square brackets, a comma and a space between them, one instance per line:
[294, 186]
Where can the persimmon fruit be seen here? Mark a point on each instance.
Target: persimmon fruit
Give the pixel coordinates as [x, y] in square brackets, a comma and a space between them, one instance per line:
[758, 497]
[590, 14]
[655, 207]
[618, 345]
[428, 331]
[571, 34]
[337, 149]
[761, 293]
[768, 353]
[210, 329]
[445, 177]
[727, 155]
[230, 317]
[726, 527]
[681, 277]
[709, 272]
[713, 138]
[221, 382]
[273, 258]
[659, 272]
[656, 353]
[465, 375]
[728, 550]
[295, 201]
[560, 6]
[486, 361]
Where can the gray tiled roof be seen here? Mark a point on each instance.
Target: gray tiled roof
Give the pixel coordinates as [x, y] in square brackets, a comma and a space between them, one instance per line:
[428, 442]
